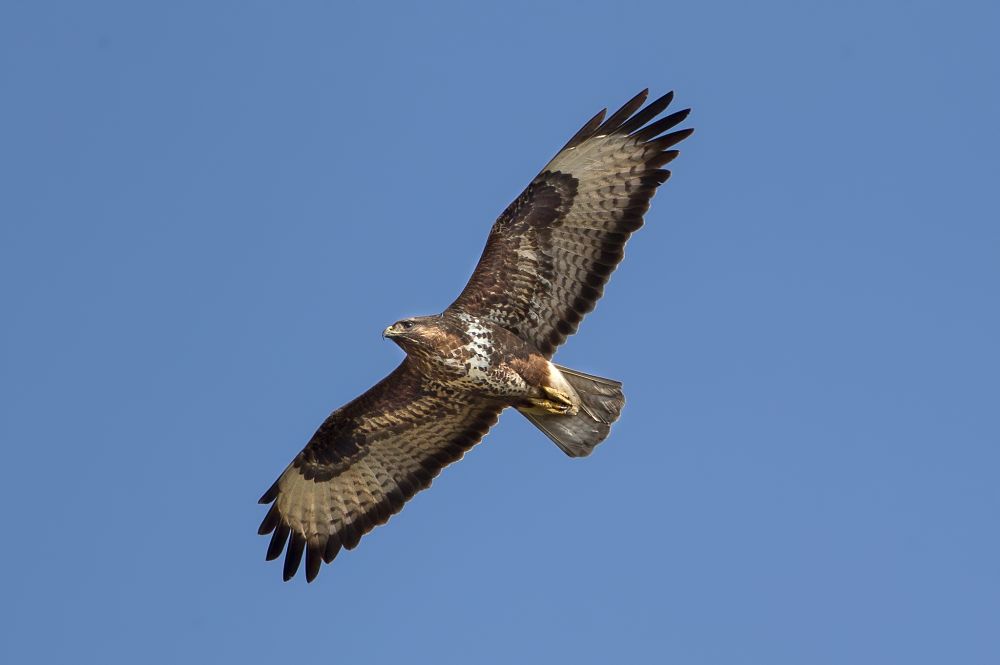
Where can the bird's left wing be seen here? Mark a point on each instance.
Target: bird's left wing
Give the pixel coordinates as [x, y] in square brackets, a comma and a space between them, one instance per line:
[364, 462]
[553, 249]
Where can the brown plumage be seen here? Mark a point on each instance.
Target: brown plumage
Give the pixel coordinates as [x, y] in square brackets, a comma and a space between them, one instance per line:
[547, 259]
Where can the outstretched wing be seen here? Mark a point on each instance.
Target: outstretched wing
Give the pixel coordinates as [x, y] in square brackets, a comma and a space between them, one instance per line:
[553, 249]
[364, 462]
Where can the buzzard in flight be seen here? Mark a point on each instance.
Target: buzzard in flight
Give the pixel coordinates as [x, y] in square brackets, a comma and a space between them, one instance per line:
[546, 262]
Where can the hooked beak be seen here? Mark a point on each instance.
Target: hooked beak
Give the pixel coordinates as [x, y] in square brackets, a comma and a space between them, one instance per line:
[388, 332]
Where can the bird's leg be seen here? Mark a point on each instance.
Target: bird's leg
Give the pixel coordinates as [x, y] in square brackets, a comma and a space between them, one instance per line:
[554, 401]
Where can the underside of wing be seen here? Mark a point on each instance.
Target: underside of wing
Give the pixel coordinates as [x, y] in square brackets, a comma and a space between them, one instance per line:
[554, 248]
[364, 462]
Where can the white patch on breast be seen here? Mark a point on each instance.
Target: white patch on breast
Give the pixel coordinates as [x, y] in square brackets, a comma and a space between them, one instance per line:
[479, 349]
[481, 373]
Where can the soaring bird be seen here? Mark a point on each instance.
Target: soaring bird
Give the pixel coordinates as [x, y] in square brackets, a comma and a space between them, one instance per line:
[546, 261]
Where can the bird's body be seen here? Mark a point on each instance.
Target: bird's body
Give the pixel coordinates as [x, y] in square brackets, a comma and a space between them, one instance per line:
[544, 267]
[478, 357]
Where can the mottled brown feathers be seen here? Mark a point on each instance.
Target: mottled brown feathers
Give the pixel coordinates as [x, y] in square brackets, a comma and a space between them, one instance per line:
[546, 261]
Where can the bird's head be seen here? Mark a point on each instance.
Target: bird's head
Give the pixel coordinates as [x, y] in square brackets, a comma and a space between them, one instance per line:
[415, 332]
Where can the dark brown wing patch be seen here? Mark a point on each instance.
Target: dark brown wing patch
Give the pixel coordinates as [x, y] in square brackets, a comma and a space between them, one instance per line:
[553, 249]
[364, 462]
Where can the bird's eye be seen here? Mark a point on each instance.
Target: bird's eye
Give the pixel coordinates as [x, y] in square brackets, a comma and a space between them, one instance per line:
[406, 324]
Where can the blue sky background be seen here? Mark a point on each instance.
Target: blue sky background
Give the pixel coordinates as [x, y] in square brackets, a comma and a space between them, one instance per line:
[209, 212]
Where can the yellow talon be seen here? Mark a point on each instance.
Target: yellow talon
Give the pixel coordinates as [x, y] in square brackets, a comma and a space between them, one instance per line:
[559, 408]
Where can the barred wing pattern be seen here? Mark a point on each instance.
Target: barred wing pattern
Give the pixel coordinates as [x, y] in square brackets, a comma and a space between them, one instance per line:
[364, 462]
[553, 249]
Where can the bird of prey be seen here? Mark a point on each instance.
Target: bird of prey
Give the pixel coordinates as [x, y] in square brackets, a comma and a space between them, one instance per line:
[546, 261]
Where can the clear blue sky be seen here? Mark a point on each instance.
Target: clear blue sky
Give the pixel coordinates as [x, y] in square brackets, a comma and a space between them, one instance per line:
[209, 212]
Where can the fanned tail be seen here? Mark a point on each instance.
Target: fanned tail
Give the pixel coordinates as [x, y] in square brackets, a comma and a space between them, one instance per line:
[577, 435]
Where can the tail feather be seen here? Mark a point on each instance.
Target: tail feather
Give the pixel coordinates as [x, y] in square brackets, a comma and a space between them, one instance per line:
[602, 401]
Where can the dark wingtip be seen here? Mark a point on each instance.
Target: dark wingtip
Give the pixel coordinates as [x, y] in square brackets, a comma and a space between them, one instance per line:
[331, 549]
[614, 123]
[293, 557]
[672, 139]
[663, 158]
[277, 543]
[270, 495]
[314, 559]
[663, 124]
[270, 521]
[586, 131]
[653, 109]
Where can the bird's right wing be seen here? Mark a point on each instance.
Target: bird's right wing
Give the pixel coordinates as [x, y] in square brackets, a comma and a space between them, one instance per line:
[364, 462]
